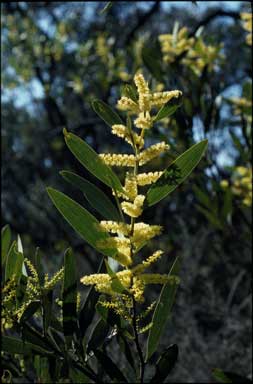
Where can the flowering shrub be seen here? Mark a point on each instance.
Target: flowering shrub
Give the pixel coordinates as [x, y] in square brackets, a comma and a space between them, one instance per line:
[63, 339]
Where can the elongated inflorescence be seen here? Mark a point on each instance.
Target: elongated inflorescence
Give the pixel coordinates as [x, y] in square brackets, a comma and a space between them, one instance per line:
[130, 235]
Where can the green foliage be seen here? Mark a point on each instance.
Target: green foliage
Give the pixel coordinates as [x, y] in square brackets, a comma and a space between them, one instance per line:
[90, 160]
[97, 198]
[176, 173]
[80, 219]
[162, 311]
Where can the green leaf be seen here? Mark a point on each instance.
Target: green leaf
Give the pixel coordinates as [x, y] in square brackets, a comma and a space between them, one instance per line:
[90, 160]
[203, 197]
[126, 349]
[81, 220]
[165, 364]
[110, 368]
[38, 265]
[229, 377]
[5, 241]
[166, 111]
[94, 195]
[69, 295]
[41, 365]
[13, 345]
[98, 335]
[130, 92]
[176, 173]
[211, 216]
[151, 59]
[14, 262]
[88, 309]
[162, 311]
[106, 113]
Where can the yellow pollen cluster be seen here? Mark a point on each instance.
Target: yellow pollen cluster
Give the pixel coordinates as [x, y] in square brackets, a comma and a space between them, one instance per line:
[160, 98]
[152, 152]
[115, 227]
[118, 160]
[146, 263]
[134, 209]
[127, 104]
[144, 232]
[144, 121]
[241, 184]
[121, 130]
[247, 25]
[148, 178]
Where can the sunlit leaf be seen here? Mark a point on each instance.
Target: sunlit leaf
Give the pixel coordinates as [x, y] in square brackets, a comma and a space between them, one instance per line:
[90, 160]
[14, 263]
[5, 241]
[80, 219]
[106, 113]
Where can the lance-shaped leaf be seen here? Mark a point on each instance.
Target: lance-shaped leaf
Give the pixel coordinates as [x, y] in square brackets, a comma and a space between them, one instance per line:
[98, 335]
[97, 199]
[5, 241]
[13, 345]
[152, 60]
[90, 160]
[87, 311]
[106, 113]
[110, 367]
[106, 8]
[165, 364]
[130, 92]
[162, 311]
[176, 173]
[166, 111]
[14, 263]
[81, 220]
[30, 310]
[69, 295]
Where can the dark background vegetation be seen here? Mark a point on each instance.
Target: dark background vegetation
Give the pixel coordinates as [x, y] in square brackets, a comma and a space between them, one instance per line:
[51, 71]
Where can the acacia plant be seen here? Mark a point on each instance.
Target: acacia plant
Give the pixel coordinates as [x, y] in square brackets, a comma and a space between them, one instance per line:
[64, 347]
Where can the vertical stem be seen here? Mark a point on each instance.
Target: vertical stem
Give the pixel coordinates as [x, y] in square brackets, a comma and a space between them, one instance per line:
[138, 347]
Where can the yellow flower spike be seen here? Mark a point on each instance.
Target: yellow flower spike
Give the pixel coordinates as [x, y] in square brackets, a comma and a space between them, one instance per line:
[127, 104]
[143, 233]
[121, 130]
[118, 159]
[157, 278]
[148, 178]
[160, 98]
[141, 84]
[135, 209]
[144, 121]
[55, 279]
[146, 263]
[130, 188]
[115, 227]
[137, 289]
[152, 152]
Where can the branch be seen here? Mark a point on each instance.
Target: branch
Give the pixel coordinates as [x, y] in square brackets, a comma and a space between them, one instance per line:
[213, 15]
[142, 20]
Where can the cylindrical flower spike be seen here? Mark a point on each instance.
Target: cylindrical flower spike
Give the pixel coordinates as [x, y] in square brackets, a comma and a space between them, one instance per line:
[152, 152]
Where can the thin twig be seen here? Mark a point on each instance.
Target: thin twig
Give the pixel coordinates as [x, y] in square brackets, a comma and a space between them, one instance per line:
[138, 347]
